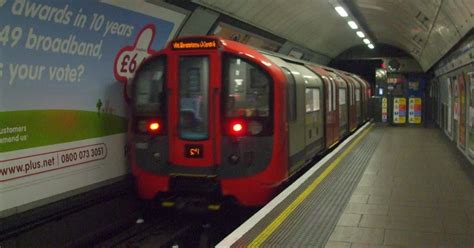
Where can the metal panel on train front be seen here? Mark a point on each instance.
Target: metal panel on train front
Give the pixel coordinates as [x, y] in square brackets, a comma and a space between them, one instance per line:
[193, 108]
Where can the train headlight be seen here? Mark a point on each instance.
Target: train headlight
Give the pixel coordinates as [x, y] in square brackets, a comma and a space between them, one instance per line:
[142, 126]
[157, 156]
[234, 159]
[255, 127]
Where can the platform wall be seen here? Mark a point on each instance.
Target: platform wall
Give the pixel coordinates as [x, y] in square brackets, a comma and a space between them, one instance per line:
[453, 91]
[63, 116]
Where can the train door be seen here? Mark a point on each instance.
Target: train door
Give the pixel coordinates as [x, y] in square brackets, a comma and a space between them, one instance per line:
[296, 130]
[313, 114]
[367, 101]
[358, 102]
[193, 108]
[332, 115]
[329, 117]
[352, 104]
[331, 121]
[365, 97]
[363, 102]
[343, 105]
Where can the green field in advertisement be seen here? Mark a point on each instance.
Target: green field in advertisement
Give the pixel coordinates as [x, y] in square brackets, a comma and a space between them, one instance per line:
[34, 128]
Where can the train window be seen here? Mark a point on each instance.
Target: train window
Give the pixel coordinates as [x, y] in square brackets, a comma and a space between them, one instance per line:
[309, 101]
[342, 96]
[357, 95]
[193, 94]
[148, 87]
[291, 95]
[312, 100]
[246, 89]
[316, 100]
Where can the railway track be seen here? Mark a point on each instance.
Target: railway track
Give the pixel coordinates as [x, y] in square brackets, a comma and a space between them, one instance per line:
[105, 219]
[159, 229]
[174, 228]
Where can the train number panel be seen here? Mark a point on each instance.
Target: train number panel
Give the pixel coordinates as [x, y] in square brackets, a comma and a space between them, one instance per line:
[194, 151]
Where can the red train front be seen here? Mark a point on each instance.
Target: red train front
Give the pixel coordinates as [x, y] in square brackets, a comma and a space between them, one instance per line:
[209, 118]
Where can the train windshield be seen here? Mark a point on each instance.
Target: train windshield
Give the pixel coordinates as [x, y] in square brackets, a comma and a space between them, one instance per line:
[193, 94]
[149, 85]
[246, 89]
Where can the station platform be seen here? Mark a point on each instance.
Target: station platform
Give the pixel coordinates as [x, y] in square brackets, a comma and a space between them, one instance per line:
[383, 187]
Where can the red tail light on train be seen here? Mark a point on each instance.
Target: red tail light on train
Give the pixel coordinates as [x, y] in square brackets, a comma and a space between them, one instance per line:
[149, 126]
[237, 128]
[154, 127]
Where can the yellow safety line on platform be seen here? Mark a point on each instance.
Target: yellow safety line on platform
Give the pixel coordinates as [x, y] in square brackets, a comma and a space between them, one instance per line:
[279, 220]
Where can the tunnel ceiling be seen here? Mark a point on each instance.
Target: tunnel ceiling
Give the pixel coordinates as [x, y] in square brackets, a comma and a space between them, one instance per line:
[426, 29]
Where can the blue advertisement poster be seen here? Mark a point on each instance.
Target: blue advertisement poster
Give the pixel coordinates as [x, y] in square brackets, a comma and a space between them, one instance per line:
[62, 110]
[57, 59]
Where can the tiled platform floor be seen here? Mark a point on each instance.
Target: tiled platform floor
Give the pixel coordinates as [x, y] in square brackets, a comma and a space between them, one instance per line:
[414, 193]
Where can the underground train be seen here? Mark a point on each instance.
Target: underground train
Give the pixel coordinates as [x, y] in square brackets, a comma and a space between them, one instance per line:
[216, 118]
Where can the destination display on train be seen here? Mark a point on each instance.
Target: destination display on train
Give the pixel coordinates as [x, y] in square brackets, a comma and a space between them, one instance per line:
[194, 44]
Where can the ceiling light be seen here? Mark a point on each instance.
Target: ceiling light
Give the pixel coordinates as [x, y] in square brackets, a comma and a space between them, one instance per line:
[366, 41]
[352, 24]
[360, 34]
[370, 46]
[341, 11]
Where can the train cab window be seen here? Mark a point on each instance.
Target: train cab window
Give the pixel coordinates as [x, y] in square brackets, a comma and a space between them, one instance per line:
[148, 87]
[291, 90]
[247, 89]
[193, 95]
[247, 96]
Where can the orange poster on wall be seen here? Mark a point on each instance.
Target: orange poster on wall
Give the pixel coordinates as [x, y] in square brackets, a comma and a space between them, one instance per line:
[399, 110]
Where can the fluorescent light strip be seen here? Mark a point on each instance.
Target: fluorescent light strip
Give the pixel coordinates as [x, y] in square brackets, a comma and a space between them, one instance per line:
[352, 24]
[341, 11]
